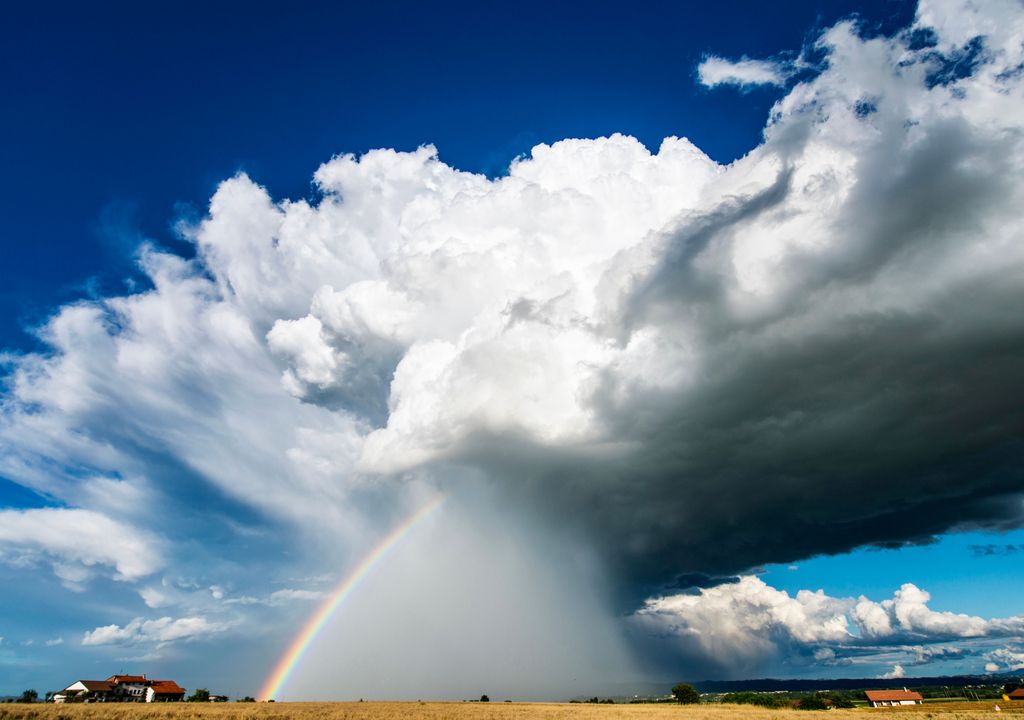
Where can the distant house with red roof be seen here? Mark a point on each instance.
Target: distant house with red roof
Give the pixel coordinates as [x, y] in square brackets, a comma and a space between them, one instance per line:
[85, 691]
[132, 687]
[890, 698]
[164, 691]
[1017, 694]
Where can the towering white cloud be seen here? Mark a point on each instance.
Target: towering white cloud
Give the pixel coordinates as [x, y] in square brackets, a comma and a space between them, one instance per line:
[896, 672]
[743, 623]
[908, 614]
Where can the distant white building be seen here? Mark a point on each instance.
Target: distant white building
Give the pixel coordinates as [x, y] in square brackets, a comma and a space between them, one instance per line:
[85, 691]
[131, 688]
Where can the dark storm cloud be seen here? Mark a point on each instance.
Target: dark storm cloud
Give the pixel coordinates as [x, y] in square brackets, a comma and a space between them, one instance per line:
[871, 397]
[694, 582]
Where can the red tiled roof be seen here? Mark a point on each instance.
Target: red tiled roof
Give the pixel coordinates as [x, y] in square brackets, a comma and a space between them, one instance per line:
[890, 695]
[117, 679]
[1017, 694]
[167, 687]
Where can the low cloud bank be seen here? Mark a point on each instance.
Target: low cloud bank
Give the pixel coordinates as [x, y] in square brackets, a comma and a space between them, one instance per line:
[745, 627]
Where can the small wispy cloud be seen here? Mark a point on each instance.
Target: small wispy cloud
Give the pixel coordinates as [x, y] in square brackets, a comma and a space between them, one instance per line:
[991, 549]
[161, 630]
[286, 595]
[745, 72]
[278, 597]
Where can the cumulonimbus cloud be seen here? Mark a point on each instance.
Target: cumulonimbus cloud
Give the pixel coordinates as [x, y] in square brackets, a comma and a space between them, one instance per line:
[696, 367]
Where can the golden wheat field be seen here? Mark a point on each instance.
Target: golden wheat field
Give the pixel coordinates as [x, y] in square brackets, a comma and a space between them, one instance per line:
[484, 711]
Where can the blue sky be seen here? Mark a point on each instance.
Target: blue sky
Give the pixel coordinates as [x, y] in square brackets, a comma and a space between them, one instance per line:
[140, 112]
[738, 405]
[992, 588]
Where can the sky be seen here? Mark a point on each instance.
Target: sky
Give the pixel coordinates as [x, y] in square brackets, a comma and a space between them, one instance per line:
[695, 324]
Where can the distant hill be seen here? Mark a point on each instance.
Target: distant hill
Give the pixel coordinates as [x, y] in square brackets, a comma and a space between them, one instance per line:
[651, 689]
[776, 685]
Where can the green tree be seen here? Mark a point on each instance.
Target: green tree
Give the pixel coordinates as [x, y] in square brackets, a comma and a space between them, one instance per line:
[29, 696]
[685, 694]
[745, 697]
[842, 701]
[200, 695]
[484, 698]
[812, 702]
[247, 698]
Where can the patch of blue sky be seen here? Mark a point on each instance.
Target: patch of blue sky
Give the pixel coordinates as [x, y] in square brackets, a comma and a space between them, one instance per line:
[13, 495]
[977, 573]
[121, 118]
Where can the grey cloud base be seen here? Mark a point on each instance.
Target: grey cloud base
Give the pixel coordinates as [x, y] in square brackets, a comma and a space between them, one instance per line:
[865, 390]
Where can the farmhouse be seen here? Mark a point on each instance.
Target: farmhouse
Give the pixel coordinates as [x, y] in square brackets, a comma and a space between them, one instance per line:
[85, 691]
[1017, 694]
[131, 688]
[889, 698]
[121, 688]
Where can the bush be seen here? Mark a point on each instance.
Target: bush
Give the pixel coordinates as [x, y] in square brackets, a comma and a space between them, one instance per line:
[685, 694]
[752, 698]
[812, 702]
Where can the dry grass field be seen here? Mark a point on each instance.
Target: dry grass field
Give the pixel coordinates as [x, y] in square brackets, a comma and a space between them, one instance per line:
[488, 711]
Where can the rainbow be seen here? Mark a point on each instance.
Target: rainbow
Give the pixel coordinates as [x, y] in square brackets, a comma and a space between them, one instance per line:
[291, 658]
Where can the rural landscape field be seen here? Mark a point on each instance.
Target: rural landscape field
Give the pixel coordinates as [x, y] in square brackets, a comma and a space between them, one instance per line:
[485, 711]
